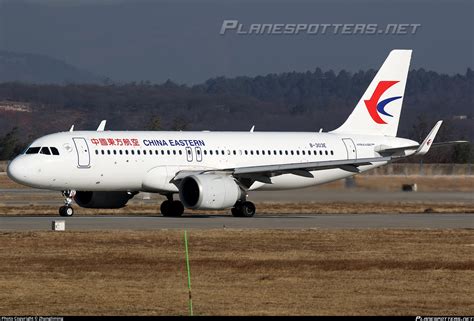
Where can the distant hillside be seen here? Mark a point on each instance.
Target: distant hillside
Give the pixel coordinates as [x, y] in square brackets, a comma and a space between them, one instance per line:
[40, 69]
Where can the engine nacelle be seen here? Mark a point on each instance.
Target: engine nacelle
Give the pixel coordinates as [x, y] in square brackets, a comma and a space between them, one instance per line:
[102, 199]
[209, 192]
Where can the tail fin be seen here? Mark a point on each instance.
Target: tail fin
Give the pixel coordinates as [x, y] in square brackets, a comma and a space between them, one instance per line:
[378, 111]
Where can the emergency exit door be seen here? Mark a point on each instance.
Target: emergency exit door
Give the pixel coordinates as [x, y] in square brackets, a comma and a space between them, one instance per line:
[350, 148]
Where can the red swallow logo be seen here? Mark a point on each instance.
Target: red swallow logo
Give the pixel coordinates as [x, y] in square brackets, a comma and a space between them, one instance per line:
[375, 107]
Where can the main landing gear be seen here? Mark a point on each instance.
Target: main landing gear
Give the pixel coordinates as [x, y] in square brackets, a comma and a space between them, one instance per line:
[67, 209]
[243, 209]
[171, 208]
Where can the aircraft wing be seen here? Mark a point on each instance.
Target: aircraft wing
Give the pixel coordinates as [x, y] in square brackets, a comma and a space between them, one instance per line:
[264, 172]
[310, 166]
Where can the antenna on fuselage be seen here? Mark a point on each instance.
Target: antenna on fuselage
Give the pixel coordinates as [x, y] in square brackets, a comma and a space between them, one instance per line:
[72, 128]
[252, 129]
[101, 126]
[320, 130]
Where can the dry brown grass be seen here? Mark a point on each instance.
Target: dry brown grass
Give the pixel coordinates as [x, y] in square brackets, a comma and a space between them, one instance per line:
[237, 272]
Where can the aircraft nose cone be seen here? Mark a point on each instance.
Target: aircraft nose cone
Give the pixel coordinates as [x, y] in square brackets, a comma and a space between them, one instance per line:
[16, 171]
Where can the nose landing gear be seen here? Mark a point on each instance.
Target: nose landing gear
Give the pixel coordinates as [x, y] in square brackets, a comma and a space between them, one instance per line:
[67, 209]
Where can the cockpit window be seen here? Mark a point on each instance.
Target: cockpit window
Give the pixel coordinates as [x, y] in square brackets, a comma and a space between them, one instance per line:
[54, 150]
[32, 150]
[45, 150]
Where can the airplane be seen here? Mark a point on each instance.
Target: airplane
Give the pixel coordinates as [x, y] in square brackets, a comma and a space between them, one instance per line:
[215, 170]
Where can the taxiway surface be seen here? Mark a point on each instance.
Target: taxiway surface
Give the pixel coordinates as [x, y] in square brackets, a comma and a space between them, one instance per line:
[289, 221]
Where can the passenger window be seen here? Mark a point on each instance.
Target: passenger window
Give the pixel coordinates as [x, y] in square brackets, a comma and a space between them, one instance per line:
[96, 152]
[245, 152]
[120, 151]
[33, 150]
[126, 152]
[297, 152]
[332, 152]
[205, 152]
[251, 152]
[115, 152]
[256, 152]
[222, 152]
[45, 151]
[108, 151]
[180, 152]
[168, 152]
[102, 152]
[54, 151]
[162, 152]
[303, 152]
[210, 152]
[174, 152]
[235, 152]
[156, 151]
[326, 152]
[314, 152]
[144, 152]
[320, 152]
[133, 152]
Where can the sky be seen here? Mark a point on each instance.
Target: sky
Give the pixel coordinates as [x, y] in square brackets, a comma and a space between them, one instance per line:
[134, 40]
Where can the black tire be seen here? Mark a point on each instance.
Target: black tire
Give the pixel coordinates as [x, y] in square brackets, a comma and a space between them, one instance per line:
[178, 208]
[236, 211]
[172, 208]
[247, 209]
[165, 208]
[66, 211]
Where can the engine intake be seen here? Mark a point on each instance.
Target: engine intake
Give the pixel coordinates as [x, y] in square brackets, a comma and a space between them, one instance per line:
[209, 192]
[102, 199]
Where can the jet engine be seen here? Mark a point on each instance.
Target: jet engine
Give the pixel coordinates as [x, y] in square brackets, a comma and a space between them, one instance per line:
[209, 192]
[102, 199]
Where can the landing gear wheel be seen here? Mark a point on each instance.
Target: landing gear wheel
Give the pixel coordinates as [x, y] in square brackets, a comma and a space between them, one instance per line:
[235, 211]
[66, 211]
[247, 209]
[243, 209]
[172, 208]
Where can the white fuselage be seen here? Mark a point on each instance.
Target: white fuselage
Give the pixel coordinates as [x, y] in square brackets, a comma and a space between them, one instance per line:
[148, 161]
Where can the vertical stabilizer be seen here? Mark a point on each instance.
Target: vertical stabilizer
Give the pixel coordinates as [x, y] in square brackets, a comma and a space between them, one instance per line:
[378, 111]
